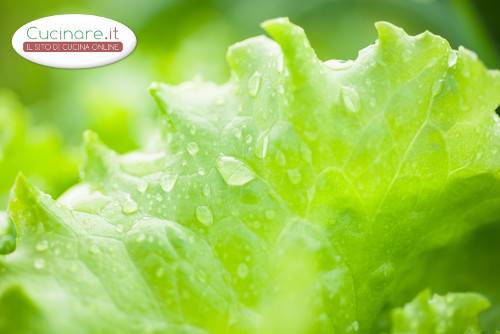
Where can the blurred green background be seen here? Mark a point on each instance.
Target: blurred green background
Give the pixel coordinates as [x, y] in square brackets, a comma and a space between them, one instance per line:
[44, 111]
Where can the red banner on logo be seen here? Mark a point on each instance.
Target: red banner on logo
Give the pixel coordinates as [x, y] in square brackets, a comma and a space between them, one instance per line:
[72, 46]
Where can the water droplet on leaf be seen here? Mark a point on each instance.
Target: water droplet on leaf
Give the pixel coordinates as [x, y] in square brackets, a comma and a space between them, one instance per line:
[142, 186]
[192, 148]
[39, 264]
[254, 83]
[242, 270]
[168, 182]
[233, 171]
[280, 157]
[42, 245]
[262, 145]
[206, 190]
[204, 215]
[351, 98]
[452, 58]
[436, 88]
[129, 205]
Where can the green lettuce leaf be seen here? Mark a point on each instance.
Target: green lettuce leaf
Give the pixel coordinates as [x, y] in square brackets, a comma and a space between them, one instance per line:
[472, 264]
[291, 199]
[450, 314]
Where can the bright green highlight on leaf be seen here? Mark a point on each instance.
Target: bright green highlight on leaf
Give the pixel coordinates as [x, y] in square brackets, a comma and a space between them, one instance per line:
[292, 199]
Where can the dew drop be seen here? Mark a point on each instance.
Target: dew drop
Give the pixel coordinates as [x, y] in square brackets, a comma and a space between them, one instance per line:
[206, 190]
[262, 145]
[168, 182]
[39, 264]
[351, 98]
[204, 215]
[280, 157]
[233, 171]
[142, 186]
[437, 87]
[41, 246]
[192, 148]
[452, 58]
[129, 206]
[254, 83]
[242, 270]
[294, 176]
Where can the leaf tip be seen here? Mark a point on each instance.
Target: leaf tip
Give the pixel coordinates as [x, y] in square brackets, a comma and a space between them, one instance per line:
[268, 25]
[388, 32]
[98, 157]
[300, 56]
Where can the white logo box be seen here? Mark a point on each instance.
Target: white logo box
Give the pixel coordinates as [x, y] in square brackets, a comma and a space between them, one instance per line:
[74, 41]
